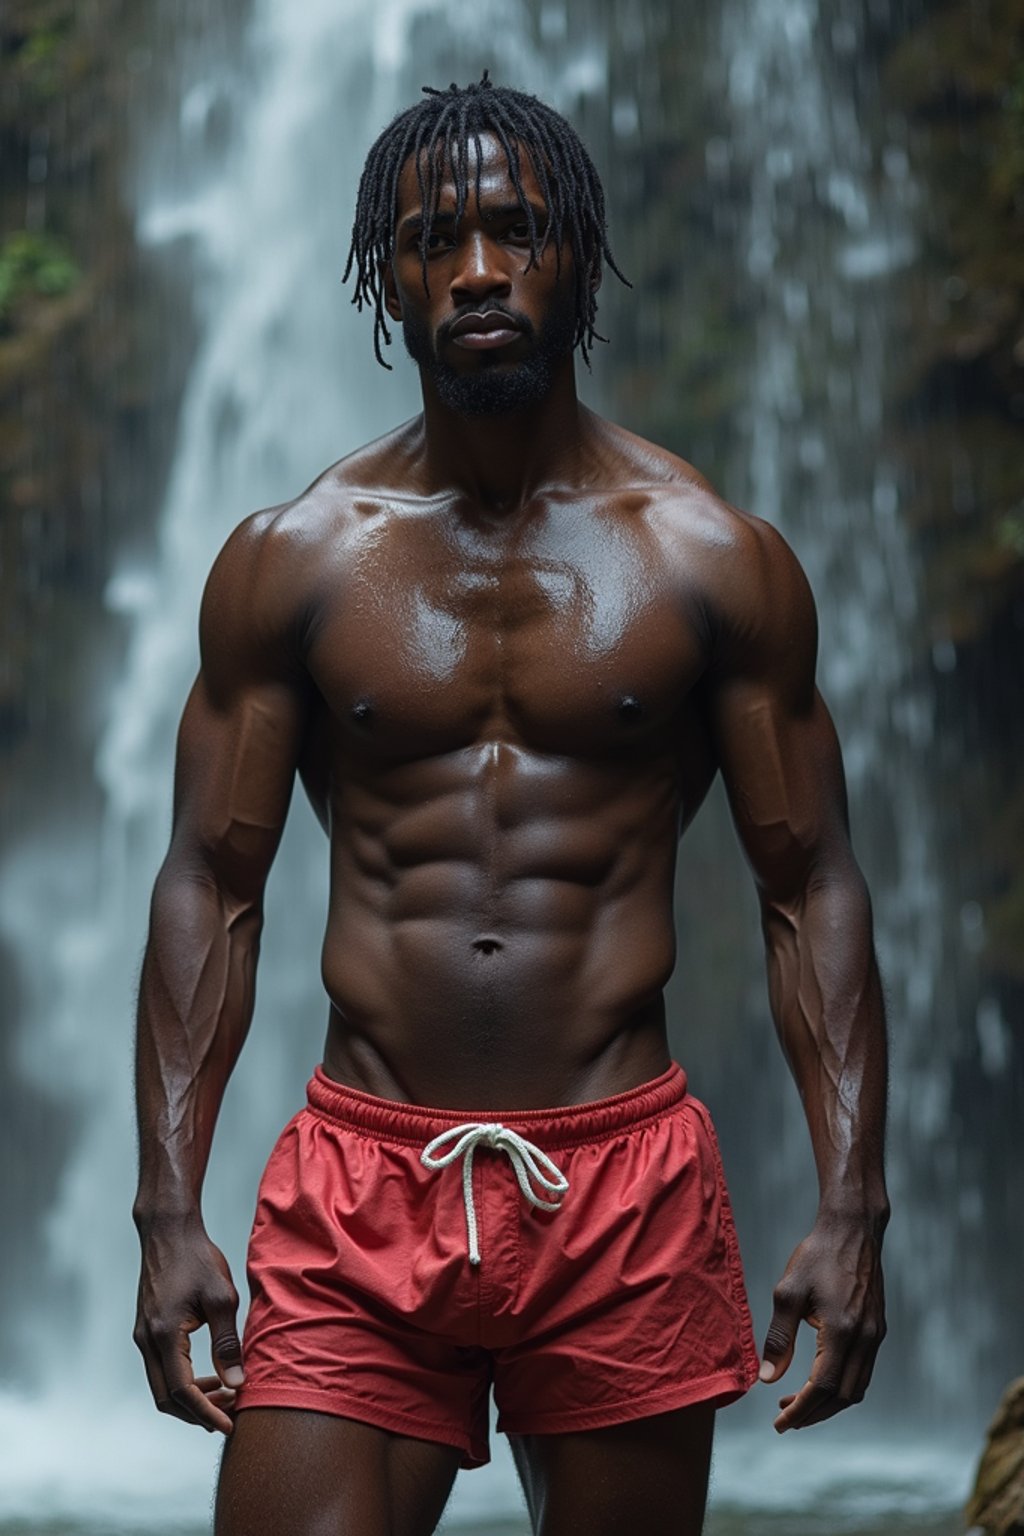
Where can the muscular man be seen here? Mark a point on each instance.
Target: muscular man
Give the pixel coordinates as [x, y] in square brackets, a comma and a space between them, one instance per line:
[507, 648]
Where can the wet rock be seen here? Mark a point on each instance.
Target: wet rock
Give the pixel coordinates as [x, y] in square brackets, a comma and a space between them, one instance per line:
[997, 1503]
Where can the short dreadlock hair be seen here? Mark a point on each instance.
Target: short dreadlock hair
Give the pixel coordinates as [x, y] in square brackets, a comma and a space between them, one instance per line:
[436, 132]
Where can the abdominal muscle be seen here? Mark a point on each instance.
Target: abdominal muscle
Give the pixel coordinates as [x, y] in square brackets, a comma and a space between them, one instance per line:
[492, 950]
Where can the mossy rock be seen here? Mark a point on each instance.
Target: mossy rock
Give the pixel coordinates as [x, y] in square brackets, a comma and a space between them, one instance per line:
[33, 265]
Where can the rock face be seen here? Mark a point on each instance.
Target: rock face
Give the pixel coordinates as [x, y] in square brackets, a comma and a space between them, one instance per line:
[90, 370]
[997, 1504]
[94, 343]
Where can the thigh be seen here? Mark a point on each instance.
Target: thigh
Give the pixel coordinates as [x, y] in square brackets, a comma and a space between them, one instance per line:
[649, 1475]
[289, 1472]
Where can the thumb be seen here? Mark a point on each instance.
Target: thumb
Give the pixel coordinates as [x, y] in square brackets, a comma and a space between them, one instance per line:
[225, 1345]
[780, 1339]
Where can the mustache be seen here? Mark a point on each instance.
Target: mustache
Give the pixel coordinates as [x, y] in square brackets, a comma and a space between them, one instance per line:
[488, 307]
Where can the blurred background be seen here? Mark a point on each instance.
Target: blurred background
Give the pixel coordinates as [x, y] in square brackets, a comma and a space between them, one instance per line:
[821, 209]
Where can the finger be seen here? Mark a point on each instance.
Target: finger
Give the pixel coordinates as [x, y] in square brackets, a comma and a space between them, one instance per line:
[225, 1345]
[821, 1395]
[799, 1410]
[156, 1378]
[780, 1340]
[857, 1381]
[175, 1411]
[816, 1400]
[176, 1361]
[205, 1411]
[154, 1374]
[864, 1380]
[214, 1390]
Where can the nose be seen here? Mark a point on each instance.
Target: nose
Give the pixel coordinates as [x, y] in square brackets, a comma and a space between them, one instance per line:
[481, 271]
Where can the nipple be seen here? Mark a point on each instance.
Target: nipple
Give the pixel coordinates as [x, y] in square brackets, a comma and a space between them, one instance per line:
[362, 712]
[630, 709]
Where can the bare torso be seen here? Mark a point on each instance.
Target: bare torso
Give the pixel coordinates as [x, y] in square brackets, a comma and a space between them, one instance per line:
[505, 740]
[507, 648]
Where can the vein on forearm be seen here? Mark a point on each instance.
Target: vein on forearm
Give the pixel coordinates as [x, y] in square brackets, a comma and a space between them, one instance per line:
[195, 1004]
[826, 1001]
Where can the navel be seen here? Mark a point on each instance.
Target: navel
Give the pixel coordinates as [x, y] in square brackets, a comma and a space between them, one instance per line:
[487, 945]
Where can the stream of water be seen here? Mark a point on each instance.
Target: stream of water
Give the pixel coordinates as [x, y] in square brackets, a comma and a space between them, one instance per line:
[253, 183]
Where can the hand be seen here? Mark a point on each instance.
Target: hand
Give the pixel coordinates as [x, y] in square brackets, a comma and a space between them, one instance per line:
[186, 1283]
[834, 1282]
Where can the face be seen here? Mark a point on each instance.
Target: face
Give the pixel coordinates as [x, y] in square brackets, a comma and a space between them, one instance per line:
[489, 334]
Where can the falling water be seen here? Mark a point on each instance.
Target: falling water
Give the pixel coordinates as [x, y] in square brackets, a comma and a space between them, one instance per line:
[273, 396]
[829, 218]
[281, 385]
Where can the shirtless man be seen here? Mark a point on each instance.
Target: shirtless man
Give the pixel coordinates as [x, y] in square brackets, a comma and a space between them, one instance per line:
[507, 648]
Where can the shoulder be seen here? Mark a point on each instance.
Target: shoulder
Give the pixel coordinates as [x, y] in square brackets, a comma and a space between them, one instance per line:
[258, 579]
[262, 592]
[747, 573]
[756, 602]
[739, 568]
[734, 568]
[276, 562]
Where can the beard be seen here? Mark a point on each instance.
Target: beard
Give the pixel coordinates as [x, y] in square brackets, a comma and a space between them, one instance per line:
[495, 387]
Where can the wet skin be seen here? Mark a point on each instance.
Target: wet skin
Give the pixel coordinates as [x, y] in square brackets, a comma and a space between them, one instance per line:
[506, 655]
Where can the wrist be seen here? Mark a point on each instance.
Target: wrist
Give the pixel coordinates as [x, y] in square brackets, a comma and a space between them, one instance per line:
[855, 1210]
[150, 1217]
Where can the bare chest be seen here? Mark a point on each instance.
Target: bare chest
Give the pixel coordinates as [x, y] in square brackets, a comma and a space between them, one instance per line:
[566, 644]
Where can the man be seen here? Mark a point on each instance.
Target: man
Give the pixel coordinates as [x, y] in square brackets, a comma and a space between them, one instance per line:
[507, 647]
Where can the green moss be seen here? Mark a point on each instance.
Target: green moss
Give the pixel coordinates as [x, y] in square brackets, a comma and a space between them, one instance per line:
[35, 39]
[40, 47]
[33, 264]
[1010, 531]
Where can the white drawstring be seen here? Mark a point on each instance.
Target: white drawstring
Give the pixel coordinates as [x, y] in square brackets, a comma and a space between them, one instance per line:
[528, 1161]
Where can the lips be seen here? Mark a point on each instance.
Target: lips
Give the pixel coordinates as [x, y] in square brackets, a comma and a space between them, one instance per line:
[479, 332]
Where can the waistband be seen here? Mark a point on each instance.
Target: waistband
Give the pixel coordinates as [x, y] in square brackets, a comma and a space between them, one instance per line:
[571, 1125]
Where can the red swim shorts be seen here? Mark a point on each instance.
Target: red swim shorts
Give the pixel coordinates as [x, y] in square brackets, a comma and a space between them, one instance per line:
[608, 1285]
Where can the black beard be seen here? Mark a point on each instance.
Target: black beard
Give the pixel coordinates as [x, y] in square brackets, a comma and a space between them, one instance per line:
[495, 388]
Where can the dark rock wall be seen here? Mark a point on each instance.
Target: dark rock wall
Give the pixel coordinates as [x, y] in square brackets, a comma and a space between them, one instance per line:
[95, 338]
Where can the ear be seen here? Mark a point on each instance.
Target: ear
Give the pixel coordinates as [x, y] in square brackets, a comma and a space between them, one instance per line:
[392, 303]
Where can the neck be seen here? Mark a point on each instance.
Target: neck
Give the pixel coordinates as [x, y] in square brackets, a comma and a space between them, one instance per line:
[499, 462]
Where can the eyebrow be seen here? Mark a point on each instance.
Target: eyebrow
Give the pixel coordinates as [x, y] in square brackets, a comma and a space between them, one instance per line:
[414, 222]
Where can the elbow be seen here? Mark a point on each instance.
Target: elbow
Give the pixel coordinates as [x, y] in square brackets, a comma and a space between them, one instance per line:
[818, 879]
[218, 872]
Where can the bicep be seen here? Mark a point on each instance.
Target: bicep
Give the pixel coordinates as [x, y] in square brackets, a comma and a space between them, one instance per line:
[774, 739]
[783, 773]
[234, 773]
[239, 740]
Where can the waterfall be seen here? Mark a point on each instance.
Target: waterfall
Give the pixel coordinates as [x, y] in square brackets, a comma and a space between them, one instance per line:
[254, 184]
[282, 384]
[828, 219]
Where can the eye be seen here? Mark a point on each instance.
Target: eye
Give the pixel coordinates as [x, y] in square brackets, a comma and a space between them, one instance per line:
[435, 241]
[520, 231]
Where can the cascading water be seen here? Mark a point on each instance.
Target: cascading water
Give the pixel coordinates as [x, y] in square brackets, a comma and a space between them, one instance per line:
[829, 218]
[271, 400]
[282, 384]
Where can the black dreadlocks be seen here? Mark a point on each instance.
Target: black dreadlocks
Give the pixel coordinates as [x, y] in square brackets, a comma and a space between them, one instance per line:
[436, 133]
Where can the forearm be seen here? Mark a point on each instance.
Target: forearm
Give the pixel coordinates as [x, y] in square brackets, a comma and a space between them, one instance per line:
[195, 1005]
[826, 999]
